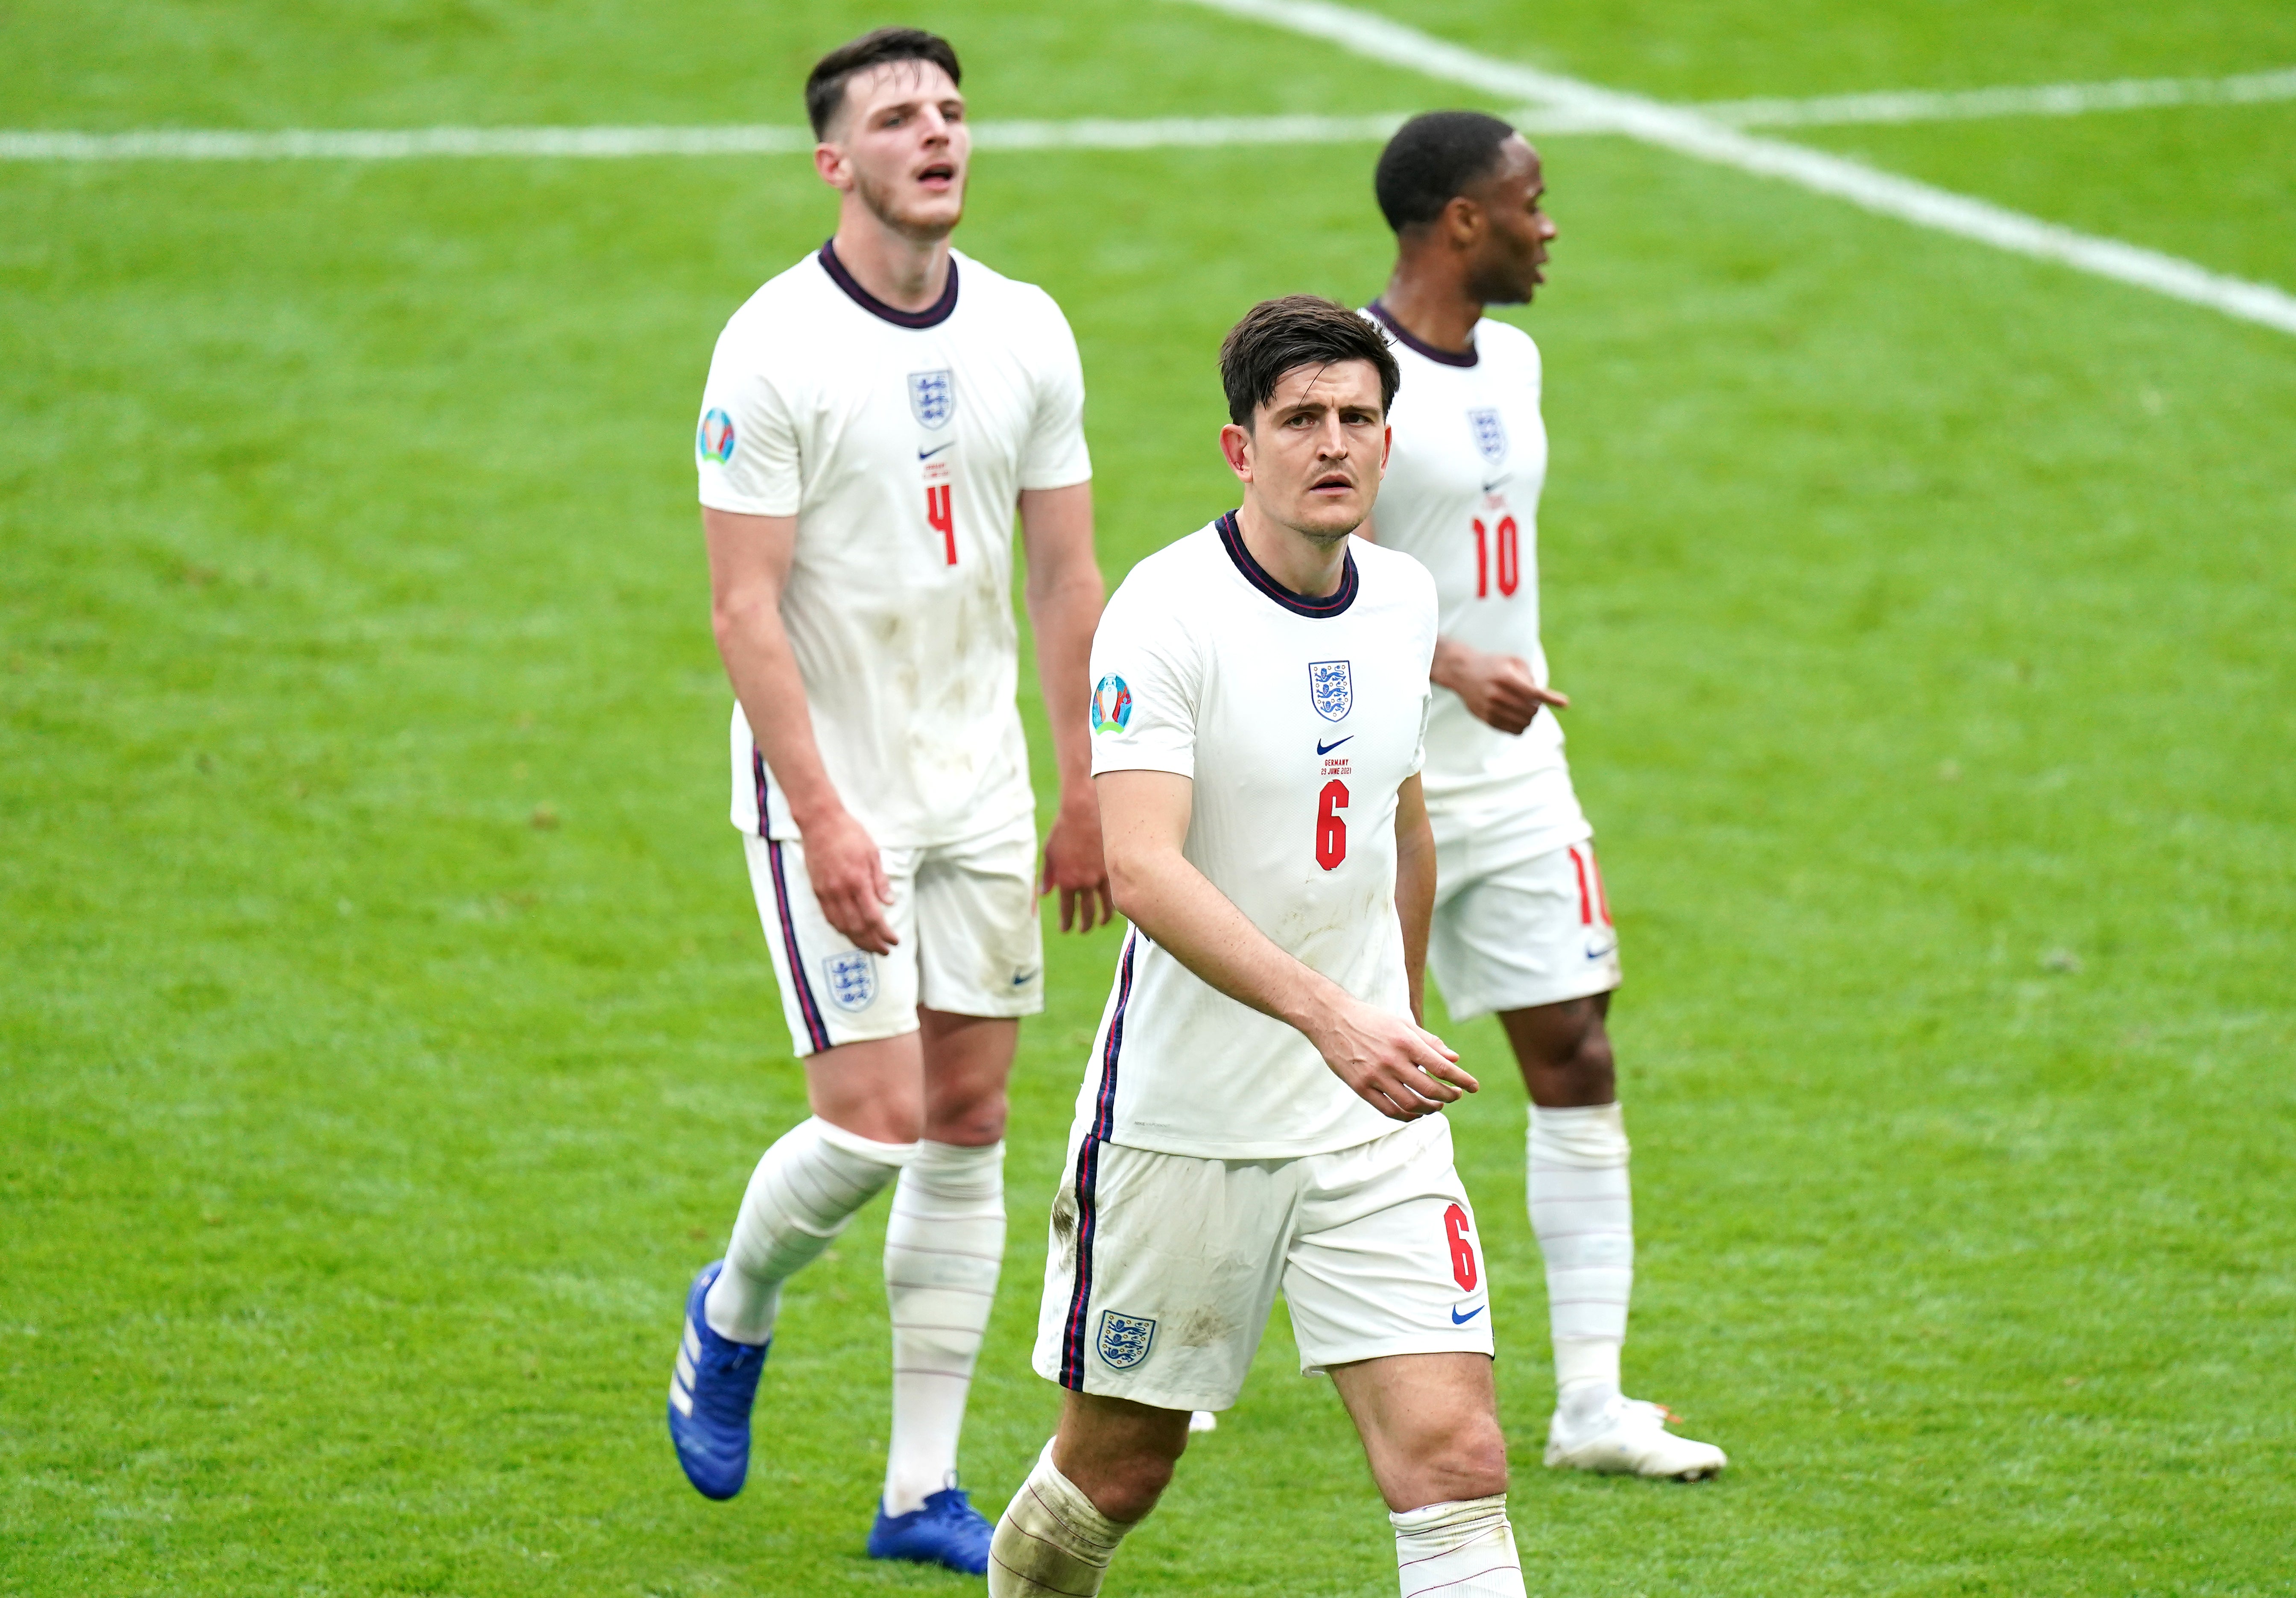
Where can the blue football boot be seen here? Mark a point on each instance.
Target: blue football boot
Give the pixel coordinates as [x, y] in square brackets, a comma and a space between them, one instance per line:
[946, 1531]
[710, 1393]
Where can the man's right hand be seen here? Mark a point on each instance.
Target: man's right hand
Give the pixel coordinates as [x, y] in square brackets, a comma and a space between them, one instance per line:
[1497, 690]
[1402, 1071]
[848, 880]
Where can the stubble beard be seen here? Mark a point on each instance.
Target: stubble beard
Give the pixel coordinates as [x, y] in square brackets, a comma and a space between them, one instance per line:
[880, 203]
[1324, 536]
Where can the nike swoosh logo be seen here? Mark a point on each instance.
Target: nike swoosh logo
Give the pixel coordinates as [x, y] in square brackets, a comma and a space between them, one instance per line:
[1604, 952]
[1326, 749]
[927, 454]
[1024, 979]
[1492, 487]
[1460, 1320]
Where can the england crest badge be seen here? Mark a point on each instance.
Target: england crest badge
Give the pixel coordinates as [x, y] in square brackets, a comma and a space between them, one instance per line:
[932, 397]
[1332, 689]
[1490, 434]
[1124, 1338]
[852, 975]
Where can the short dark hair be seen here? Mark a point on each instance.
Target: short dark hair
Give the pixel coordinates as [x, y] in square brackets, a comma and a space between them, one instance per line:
[1432, 160]
[1277, 336]
[825, 87]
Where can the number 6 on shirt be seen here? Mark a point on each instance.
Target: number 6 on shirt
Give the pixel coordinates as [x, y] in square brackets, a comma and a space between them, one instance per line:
[1331, 831]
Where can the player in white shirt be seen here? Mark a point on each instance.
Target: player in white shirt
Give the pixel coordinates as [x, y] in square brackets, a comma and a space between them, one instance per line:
[1521, 926]
[874, 416]
[1259, 1111]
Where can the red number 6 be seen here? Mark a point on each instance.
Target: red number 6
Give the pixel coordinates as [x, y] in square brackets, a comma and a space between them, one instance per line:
[1456, 1226]
[1331, 830]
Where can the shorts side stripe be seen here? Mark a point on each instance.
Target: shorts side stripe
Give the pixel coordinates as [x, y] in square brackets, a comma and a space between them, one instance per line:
[758, 766]
[1602, 899]
[1103, 1123]
[1585, 901]
[816, 1032]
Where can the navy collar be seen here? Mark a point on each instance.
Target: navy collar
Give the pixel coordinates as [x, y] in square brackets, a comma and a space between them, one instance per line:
[1448, 357]
[932, 316]
[1298, 605]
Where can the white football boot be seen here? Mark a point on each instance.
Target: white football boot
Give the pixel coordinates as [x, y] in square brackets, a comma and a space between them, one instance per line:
[1628, 1436]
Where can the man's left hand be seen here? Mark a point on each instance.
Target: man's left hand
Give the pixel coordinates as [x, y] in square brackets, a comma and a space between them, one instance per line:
[1076, 869]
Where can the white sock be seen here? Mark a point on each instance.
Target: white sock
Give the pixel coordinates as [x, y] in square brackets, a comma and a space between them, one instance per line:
[1462, 1550]
[944, 1244]
[1582, 1210]
[1051, 1539]
[803, 1192]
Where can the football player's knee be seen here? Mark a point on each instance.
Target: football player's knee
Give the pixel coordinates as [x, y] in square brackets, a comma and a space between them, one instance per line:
[1472, 1464]
[1127, 1488]
[1591, 1057]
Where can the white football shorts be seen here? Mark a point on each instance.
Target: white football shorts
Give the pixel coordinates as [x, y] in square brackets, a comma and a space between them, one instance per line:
[1520, 933]
[1163, 1267]
[970, 940]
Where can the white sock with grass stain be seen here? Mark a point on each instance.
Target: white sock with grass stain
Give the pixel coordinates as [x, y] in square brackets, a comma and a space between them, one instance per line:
[1051, 1541]
[1461, 1549]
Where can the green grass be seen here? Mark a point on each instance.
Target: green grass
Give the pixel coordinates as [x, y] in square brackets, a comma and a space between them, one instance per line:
[1930, 623]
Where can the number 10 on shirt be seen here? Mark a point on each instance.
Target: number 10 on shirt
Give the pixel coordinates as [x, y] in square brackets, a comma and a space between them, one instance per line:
[1509, 539]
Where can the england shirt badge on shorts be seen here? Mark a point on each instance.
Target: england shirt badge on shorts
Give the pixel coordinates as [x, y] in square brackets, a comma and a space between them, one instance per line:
[1124, 1338]
[1332, 686]
[852, 976]
[932, 397]
[1491, 433]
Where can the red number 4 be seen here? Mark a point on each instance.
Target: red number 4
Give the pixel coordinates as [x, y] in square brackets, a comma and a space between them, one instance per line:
[939, 518]
[1456, 1226]
[1331, 830]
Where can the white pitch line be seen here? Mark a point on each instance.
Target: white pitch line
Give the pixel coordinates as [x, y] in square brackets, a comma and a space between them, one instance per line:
[2038, 100]
[1689, 133]
[1096, 133]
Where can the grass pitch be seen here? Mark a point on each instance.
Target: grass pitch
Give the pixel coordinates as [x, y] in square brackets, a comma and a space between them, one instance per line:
[385, 1033]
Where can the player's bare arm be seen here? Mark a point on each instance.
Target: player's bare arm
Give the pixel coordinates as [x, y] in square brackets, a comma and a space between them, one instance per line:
[1499, 690]
[1064, 596]
[1397, 1067]
[1415, 886]
[749, 561]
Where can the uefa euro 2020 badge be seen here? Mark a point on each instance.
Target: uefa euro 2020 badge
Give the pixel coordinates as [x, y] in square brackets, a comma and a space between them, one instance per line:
[1333, 688]
[932, 397]
[714, 438]
[1124, 1338]
[1111, 705]
[852, 976]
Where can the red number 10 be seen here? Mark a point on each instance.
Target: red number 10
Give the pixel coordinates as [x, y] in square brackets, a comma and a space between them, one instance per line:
[939, 518]
[1510, 554]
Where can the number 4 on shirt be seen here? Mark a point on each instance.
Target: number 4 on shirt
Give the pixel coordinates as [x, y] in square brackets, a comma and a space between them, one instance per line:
[939, 518]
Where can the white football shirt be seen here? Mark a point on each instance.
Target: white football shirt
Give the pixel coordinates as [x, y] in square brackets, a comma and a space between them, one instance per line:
[1297, 719]
[900, 441]
[1461, 495]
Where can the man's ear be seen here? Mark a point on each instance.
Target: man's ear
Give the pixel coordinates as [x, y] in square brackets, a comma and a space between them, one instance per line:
[1236, 447]
[1463, 221]
[829, 163]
